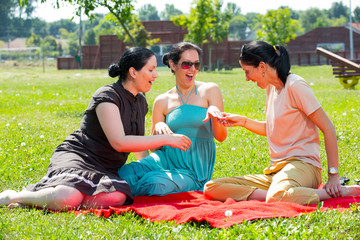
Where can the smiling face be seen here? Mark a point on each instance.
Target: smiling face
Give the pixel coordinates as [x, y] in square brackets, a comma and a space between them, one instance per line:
[186, 76]
[254, 74]
[144, 78]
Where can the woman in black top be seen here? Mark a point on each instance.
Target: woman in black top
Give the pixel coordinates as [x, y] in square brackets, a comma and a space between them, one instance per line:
[83, 168]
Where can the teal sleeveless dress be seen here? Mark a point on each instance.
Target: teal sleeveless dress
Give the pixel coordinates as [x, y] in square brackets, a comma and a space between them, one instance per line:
[171, 170]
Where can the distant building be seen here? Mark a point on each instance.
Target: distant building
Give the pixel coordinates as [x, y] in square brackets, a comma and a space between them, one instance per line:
[302, 50]
[336, 39]
[16, 43]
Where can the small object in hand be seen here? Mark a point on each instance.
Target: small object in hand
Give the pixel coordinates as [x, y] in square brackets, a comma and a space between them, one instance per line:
[345, 181]
[357, 181]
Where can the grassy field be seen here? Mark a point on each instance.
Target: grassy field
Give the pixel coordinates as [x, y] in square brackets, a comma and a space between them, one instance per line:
[39, 109]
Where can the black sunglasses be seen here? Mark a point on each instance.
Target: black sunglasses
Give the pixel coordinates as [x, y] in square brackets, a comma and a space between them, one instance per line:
[242, 51]
[188, 65]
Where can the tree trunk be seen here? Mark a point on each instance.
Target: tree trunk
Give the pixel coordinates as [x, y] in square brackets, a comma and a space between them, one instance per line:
[210, 53]
[122, 24]
[127, 31]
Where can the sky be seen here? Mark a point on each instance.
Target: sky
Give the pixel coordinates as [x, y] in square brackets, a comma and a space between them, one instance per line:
[47, 12]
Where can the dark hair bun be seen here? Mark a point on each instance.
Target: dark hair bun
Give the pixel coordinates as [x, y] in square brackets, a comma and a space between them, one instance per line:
[165, 59]
[114, 70]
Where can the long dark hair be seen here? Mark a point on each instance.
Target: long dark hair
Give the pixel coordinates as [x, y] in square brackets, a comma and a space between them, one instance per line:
[276, 56]
[175, 52]
[136, 57]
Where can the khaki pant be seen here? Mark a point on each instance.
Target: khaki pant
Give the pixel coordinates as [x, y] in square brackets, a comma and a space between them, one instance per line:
[291, 181]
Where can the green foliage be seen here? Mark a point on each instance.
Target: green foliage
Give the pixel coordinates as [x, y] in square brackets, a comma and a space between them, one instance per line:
[65, 34]
[198, 23]
[169, 12]
[234, 9]
[50, 47]
[120, 9]
[341, 21]
[54, 27]
[277, 27]
[139, 33]
[356, 14]
[39, 109]
[206, 23]
[33, 41]
[89, 37]
[312, 18]
[148, 12]
[237, 27]
[338, 10]
[106, 26]
[12, 19]
[72, 41]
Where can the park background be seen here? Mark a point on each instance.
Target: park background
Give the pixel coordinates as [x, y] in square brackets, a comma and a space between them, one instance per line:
[40, 106]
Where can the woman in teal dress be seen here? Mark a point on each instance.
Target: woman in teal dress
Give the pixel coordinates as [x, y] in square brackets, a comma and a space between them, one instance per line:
[190, 108]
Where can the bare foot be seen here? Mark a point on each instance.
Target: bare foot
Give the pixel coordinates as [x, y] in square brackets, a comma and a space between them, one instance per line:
[6, 197]
[348, 191]
[16, 205]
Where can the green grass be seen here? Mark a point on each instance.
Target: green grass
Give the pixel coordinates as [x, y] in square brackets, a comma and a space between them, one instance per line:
[39, 109]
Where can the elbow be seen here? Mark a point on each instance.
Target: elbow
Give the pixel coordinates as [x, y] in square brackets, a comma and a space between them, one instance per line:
[119, 146]
[221, 137]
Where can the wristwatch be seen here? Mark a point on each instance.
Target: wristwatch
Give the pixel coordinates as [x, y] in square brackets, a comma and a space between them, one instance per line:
[333, 171]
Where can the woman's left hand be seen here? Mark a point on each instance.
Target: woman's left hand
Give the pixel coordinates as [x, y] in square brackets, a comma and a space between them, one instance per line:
[214, 112]
[333, 187]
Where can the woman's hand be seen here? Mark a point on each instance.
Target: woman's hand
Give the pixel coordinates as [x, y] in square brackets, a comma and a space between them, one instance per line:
[179, 141]
[212, 112]
[333, 187]
[231, 120]
[162, 128]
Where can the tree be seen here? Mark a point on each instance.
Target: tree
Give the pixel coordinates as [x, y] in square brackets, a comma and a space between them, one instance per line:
[53, 27]
[206, 23]
[234, 9]
[312, 18]
[49, 47]
[120, 9]
[39, 27]
[27, 10]
[357, 14]
[237, 27]
[12, 22]
[89, 37]
[33, 41]
[170, 11]
[142, 37]
[337, 10]
[148, 12]
[277, 27]
[105, 27]
[238, 24]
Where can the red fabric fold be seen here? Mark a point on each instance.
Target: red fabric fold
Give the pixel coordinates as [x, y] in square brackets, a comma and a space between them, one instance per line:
[194, 206]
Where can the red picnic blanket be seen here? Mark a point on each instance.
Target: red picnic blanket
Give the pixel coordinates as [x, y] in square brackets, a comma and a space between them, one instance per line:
[194, 206]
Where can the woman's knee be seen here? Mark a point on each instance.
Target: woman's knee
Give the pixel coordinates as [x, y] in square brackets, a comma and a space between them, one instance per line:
[117, 198]
[209, 189]
[104, 200]
[286, 195]
[65, 197]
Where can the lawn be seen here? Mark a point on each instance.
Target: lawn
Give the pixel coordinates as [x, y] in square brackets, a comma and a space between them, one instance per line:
[38, 109]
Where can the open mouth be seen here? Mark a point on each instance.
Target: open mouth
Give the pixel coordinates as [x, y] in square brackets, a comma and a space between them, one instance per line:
[189, 77]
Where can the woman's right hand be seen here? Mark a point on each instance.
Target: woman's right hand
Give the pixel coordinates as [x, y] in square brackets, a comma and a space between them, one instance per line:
[179, 141]
[162, 128]
[231, 120]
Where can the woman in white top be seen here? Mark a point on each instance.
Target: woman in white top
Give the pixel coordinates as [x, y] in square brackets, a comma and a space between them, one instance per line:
[293, 117]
